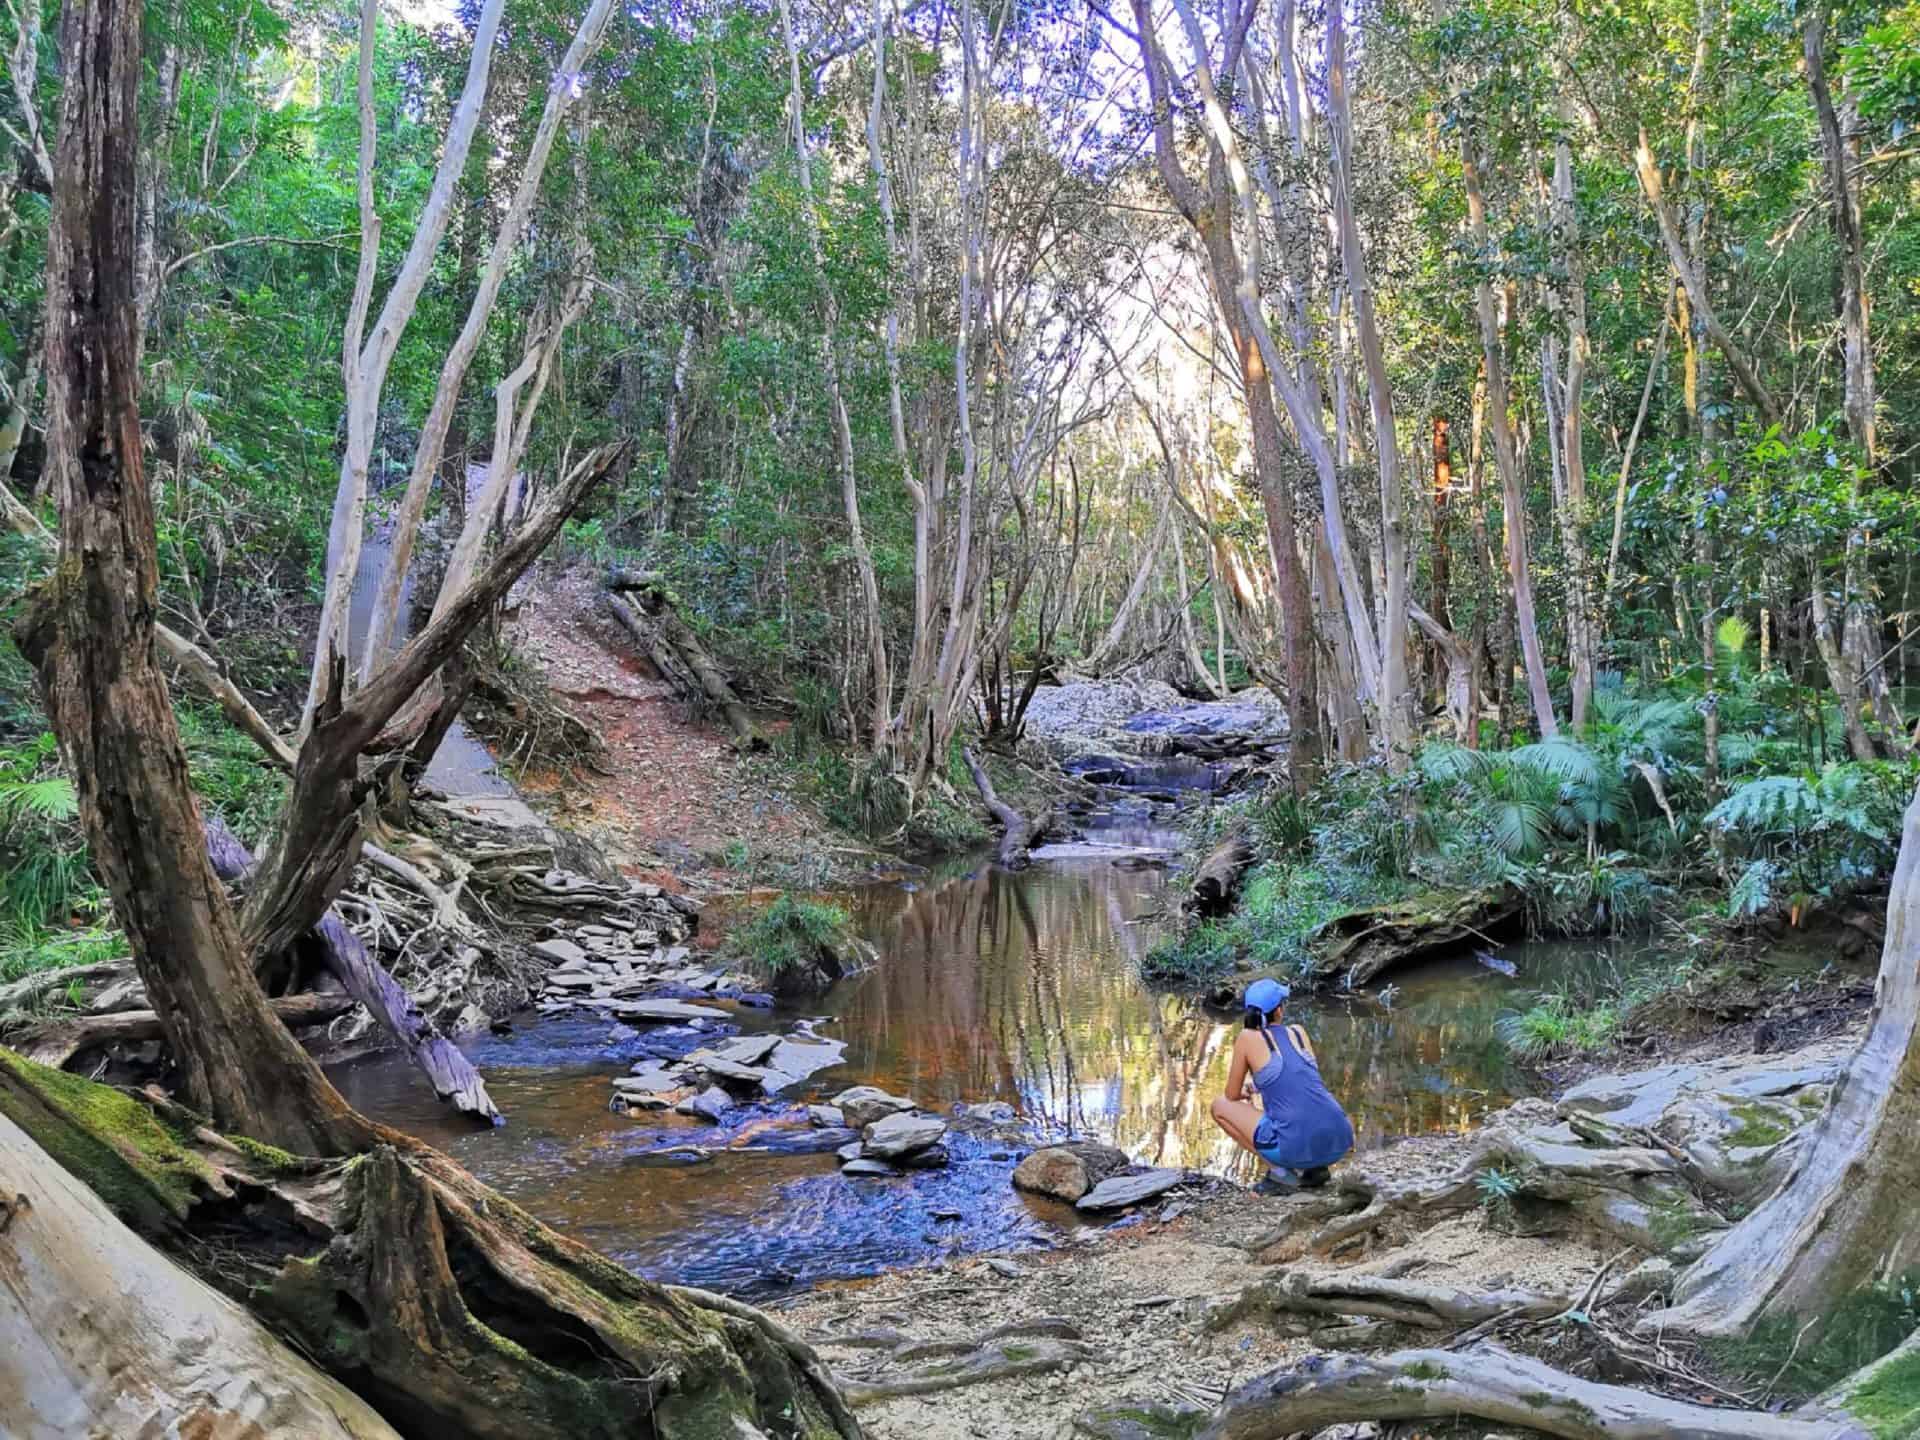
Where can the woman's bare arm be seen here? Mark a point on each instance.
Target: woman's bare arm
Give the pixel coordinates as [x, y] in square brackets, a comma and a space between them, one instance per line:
[1237, 1072]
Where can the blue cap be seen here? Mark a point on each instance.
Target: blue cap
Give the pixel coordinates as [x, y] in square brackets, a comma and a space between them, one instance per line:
[1266, 996]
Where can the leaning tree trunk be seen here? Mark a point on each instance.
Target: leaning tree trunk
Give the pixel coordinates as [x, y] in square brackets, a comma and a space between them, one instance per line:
[443, 1302]
[111, 1338]
[1844, 1218]
[89, 631]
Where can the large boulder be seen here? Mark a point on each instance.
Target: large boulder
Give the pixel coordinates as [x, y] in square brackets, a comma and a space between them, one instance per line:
[864, 1104]
[1066, 1172]
[901, 1135]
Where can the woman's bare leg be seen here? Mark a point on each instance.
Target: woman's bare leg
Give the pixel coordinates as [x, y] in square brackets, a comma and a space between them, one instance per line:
[1238, 1119]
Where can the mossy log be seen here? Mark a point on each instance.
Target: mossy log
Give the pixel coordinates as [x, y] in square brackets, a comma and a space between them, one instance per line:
[106, 1336]
[1362, 945]
[1490, 1383]
[439, 1302]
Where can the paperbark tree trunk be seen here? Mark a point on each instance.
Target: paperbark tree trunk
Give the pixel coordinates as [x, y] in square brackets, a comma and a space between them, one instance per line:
[875, 630]
[1844, 1217]
[1505, 455]
[1396, 701]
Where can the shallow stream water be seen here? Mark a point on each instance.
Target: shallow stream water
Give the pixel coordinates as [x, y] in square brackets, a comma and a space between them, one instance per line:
[990, 985]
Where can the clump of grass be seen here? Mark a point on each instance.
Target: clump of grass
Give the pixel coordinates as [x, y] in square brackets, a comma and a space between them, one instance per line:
[797, 943]
[1798, 1359]
[1557, 1026]
[1281, 907]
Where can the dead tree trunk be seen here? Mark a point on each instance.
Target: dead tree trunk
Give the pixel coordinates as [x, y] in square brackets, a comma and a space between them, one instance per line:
[1844, 1218]
[676, 650]
[1018, 834]
[366, 980]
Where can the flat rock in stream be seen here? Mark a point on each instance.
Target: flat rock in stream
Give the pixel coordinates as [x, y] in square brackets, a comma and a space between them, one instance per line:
[1124, 1190]
[864, 1166]
[710, 1105]
[902, 1134]
[864, 1104]
[793, 1060]
[826, 1117]
[663, 1010]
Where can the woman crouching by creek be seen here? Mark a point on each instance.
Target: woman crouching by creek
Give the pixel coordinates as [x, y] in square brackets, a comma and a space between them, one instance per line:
[1298, 1128]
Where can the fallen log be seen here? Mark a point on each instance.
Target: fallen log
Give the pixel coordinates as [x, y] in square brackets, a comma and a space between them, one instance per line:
[676, 650]
[1216, 880]
[55, 1044]
[1017, 834]
[108, 1337]
[450, 1309]
[1362, 945]
[365, 979]
[1493, 1384]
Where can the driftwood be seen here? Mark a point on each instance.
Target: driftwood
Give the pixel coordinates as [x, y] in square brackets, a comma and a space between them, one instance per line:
[365, 979]
[675, 649]
[106, 1336]
[1018, 834]
[59, 1042]
[1217, 878]
[1492, 1384]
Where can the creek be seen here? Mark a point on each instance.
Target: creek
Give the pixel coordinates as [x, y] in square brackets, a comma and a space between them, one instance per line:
[990, 985]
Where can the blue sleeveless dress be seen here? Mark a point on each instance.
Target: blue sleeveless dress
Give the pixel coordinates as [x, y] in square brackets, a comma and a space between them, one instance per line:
[1301, 1125]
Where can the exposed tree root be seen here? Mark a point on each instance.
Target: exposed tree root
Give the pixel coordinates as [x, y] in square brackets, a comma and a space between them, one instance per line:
[443, 1304]
[979, 1361]
[1405, 1302]
[1634, 1193]
[1493, 1384]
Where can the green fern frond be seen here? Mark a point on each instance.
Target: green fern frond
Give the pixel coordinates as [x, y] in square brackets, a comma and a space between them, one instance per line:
[51, 798]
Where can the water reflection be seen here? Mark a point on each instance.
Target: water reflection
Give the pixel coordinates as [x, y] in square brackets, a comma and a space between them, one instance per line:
[1022, 987]
[1017, 987]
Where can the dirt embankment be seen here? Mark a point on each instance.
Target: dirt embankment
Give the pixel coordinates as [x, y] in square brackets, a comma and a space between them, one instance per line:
[671, 796]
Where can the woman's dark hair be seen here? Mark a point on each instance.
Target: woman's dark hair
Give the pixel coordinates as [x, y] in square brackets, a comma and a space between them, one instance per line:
[1256, 1018]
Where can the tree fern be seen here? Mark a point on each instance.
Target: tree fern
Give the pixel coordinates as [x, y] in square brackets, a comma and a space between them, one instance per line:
[1752, 893]
[1771, 805]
